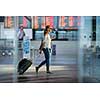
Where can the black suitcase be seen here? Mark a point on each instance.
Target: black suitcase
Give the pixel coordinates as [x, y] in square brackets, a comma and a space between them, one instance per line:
[23, 65]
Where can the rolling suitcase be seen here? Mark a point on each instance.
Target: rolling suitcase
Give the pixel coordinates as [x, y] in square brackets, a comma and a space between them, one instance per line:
[23, 65]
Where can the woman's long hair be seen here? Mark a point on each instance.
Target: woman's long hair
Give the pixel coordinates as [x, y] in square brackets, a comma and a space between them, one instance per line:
[45, 31]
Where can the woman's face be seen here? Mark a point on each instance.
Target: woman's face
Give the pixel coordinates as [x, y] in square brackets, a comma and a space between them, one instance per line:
[48, 29]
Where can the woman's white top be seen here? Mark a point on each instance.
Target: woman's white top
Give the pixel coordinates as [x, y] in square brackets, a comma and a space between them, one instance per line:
[47, 41]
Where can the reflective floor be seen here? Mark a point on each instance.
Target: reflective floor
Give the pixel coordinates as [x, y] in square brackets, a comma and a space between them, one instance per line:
[64, 74]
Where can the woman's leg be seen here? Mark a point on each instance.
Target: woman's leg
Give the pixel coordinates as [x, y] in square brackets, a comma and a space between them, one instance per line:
[47, 60]
[43, 62]
[47, 57]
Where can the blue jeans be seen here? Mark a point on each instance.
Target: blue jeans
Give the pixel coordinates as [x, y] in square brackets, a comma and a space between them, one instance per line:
[46, 52]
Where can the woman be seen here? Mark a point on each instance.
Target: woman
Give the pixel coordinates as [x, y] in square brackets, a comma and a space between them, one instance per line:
[46, 48]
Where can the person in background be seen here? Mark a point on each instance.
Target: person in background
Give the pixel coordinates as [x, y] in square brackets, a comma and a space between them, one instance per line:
[20, 37]
[46, 48]
[21, 33]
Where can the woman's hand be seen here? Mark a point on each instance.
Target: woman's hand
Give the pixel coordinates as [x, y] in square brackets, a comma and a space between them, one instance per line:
[40, 51]
[53, 37]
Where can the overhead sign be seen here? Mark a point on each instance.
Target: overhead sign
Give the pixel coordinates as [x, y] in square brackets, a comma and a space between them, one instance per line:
[59, 22]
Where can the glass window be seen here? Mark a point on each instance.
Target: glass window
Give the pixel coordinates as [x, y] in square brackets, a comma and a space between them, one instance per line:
[39, 35]
[62, 35]
[98, 30]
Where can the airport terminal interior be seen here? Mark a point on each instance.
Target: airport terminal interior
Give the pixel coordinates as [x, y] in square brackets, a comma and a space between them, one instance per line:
[75, 56]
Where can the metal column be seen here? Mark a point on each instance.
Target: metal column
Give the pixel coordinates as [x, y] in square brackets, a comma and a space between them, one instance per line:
[15, 49]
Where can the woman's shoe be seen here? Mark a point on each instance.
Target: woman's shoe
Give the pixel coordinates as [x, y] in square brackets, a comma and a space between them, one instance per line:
[37, 69]
[48, 72]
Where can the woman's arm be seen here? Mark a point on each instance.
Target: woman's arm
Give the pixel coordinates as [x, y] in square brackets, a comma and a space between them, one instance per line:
[52, 38]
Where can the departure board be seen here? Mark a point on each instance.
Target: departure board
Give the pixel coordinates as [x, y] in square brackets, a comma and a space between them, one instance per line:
[59, 22]
[9, 22]
[26, 21]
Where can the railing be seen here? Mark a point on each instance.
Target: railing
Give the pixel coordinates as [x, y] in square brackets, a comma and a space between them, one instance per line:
[6, 47]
